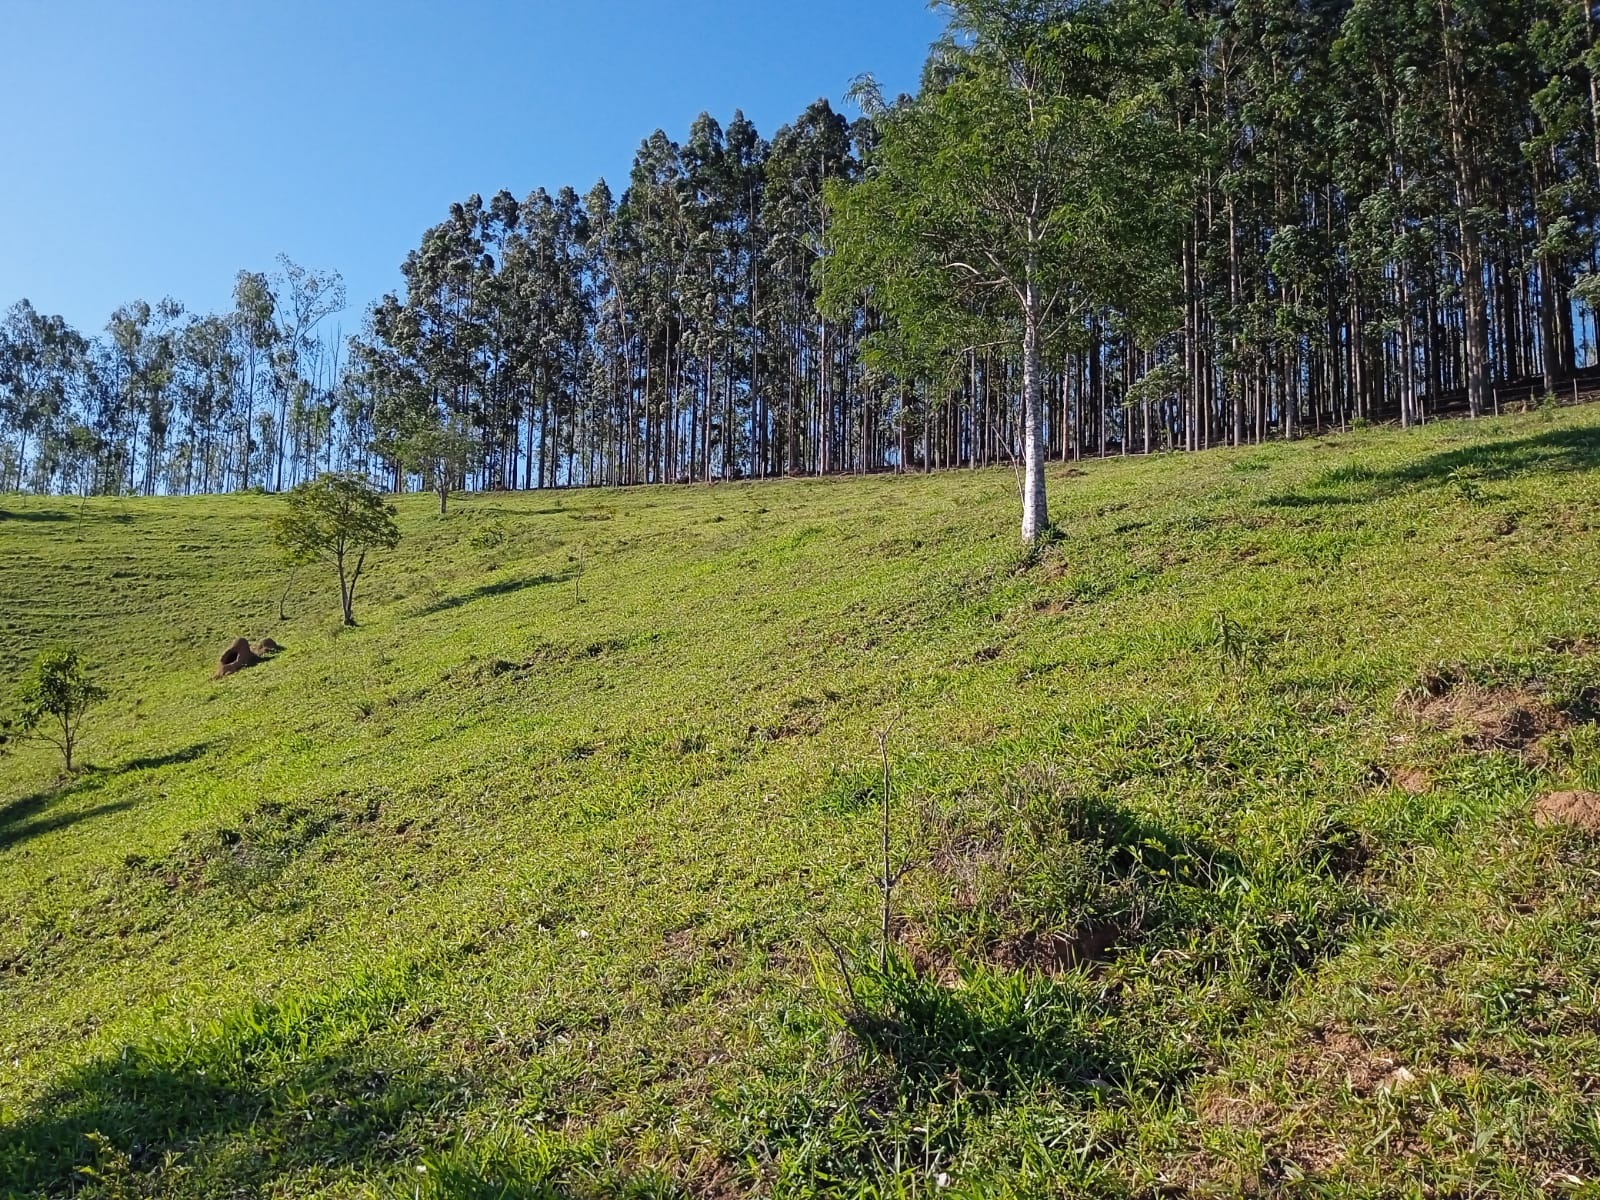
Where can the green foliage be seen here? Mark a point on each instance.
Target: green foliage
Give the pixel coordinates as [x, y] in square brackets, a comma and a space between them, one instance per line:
[55, 697]
[337, 519]
[1035, 180]
[442, 453]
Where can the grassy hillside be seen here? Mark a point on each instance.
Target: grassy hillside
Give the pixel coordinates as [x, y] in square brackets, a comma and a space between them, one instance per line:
[1223, 876]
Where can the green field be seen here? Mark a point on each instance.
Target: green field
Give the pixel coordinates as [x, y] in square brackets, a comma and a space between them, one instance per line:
[1217, 814]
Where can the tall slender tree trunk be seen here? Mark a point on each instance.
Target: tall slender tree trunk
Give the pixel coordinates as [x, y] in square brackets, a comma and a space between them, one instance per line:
[1035, 510]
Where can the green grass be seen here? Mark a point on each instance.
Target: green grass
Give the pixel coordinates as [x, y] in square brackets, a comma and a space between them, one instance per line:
[544, 886]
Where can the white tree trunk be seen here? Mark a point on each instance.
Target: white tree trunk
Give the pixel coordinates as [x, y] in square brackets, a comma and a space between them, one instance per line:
[1035, 510]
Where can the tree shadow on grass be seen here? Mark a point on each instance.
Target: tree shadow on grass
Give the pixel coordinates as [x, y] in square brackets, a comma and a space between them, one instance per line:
[1559, 451]
[1122, 894]
[997, 1034]
[16, 829]
[503, 587]
[306, 1089]
[22, 819]
[175, 758]
[47, 514]
[239, 1113]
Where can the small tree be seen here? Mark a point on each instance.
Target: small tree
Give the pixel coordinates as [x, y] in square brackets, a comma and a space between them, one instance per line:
[336, 518]
[441, 454]
[56, 695]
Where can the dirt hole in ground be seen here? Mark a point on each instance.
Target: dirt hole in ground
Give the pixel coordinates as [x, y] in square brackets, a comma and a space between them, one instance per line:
[1413, 781]
[1486, 718]
[1580, 810]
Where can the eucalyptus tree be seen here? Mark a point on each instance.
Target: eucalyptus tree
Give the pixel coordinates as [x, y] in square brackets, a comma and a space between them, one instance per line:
[1034, 174]
[144, 353]
[207, 371]
[256, 327]
[40, 361]
[547, 295]
[608, 256]
[655, 209]
[804, 158]
[303, 298]
[743, 157]
[708, 300]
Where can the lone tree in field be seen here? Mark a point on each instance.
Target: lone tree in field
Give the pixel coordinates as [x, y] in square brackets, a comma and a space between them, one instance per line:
[442, 454]
[336, 518]
[1034, 179]
[57, 694]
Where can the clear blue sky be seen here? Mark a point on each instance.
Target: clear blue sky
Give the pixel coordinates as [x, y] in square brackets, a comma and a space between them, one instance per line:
[156, 147]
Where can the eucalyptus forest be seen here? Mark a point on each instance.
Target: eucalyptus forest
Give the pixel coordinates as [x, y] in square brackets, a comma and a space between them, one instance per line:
[1126, 226]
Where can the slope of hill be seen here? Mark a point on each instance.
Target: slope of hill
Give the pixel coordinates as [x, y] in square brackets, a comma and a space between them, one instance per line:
[1217, 818]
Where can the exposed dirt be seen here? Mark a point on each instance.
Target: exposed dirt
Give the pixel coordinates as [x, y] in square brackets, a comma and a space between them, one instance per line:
[1414, 781]
[1043, 952]
[1578, 809]
[1487, 718]
[1338, 1056]
[1054, 953]
[237, 657]
[1578, 647]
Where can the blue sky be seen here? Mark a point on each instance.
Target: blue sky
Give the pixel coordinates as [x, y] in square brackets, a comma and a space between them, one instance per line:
[154, 148]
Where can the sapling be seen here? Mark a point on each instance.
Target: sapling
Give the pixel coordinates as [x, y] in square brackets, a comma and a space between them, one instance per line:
[892, 875]
[56, 695]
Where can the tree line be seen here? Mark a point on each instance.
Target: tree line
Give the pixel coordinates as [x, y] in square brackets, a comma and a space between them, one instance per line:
[1099, 226]
[165, 401]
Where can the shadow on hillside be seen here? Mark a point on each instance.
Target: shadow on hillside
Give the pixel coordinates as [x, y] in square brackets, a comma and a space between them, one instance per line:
[16, 827]
[503, 587]
[1106, 893]
[176, 758]
[48, 514]
[246, 1116]
[21, 820]
[1560, 451]
[996, 1035]
[270, 1100]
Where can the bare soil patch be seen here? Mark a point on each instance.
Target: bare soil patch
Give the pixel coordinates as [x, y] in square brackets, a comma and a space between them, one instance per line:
[1414, 781]
[1486, 718]
[1578, 809]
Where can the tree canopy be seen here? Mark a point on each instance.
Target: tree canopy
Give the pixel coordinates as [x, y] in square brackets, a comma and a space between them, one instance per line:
[1035, 180]
[337, 518]
[1098, 227]
[56, 695]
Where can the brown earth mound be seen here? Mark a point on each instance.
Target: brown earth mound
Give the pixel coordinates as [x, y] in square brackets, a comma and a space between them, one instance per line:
[1414, 781]
[267, 648]
[1580, 809]
[236, 658]
[1499, 718]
